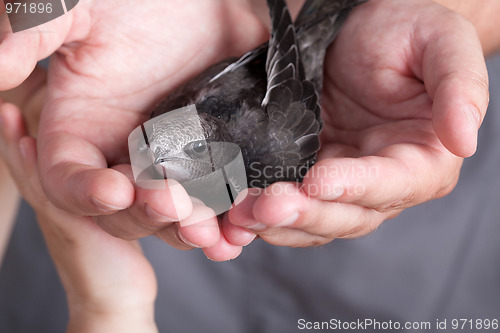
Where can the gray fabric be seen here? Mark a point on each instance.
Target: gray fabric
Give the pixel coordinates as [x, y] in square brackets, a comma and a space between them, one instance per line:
[31, 295]
[438, 260]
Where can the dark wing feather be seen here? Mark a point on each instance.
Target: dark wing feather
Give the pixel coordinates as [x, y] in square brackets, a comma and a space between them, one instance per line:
[190, 92]
[271, 109]
[281, 134]
[283, 58]
[317, 24]
[222, 88]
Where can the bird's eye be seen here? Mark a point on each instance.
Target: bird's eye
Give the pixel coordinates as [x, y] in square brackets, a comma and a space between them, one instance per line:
[196, 148]
[199, 147]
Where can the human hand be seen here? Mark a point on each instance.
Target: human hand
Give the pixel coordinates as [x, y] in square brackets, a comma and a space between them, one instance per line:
[110, 285]
[114, 61]
[405, 92]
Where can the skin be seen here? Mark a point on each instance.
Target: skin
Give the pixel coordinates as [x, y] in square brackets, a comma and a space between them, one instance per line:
[430, 114]
[98, 91]
[411, 120]
[82, 267]
[29, 97]
[8, 206]
[106, 278]
[481, 14]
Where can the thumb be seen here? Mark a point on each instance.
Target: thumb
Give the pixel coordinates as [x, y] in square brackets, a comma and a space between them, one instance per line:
[456, 77]
[20, 51]
[75, 177]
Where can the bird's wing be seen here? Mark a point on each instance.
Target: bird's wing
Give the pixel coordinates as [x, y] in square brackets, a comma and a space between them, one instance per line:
[221, 89]
[283, 131]
[244, 60]
[283, 59]
[191, 91]
[291, 102]
[317, 25]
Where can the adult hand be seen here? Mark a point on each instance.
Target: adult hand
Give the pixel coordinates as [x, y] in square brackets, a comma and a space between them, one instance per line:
[110, 285]
[405, 92]
[114, 61]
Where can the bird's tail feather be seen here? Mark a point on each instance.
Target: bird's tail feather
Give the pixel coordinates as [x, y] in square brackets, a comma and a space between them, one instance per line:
[283, 59]
[317, 25]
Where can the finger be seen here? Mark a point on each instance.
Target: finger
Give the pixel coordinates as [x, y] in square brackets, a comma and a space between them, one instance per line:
[151, 211]
[403, 175]
[20, 51]
[12, 130]
[455, 75]
[242, 215]
[172, 237]
[277, 206]
[293, 238]
[315, 217]
[289, 217]
[236, 235]
[201, 229]
[249, 215]
[78, 180]
[273, 223]
[154, 211]
[223, 250]
[19, 153]
[160, 200]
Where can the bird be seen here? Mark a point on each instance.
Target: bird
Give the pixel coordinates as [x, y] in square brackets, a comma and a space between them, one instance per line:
[267, 103]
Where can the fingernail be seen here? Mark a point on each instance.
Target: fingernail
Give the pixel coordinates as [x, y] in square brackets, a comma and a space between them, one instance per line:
[240, 197]
[334, 193]
[257, 226]
[473, 115]
[105, 207]
[250, 239]
[154, 215]
[181, 236]
[289, 221]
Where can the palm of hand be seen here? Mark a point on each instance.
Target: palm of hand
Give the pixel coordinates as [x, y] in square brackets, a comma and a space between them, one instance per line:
[378, 97]
[125, 65]
[105, 83]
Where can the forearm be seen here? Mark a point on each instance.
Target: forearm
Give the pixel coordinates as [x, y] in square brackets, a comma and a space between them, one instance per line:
[484, 15]
[8, 207]
[109, 322]
[29, 97]
[102, 297]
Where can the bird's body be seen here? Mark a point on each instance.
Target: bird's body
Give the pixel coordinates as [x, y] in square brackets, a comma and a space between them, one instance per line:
[266, 102]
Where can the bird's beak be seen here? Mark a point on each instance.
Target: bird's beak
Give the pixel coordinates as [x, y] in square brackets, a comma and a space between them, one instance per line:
[159, 159]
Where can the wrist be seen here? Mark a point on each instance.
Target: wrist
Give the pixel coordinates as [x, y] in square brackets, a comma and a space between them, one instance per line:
[483, 16]
[91, 319]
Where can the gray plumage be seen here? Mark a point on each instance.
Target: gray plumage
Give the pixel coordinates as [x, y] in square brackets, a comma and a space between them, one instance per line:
[267, 101]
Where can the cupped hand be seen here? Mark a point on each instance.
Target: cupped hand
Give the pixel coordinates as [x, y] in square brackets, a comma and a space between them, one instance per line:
[115, 60]
[405, 92]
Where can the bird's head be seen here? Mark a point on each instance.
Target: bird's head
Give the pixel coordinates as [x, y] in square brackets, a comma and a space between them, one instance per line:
[180, 146]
